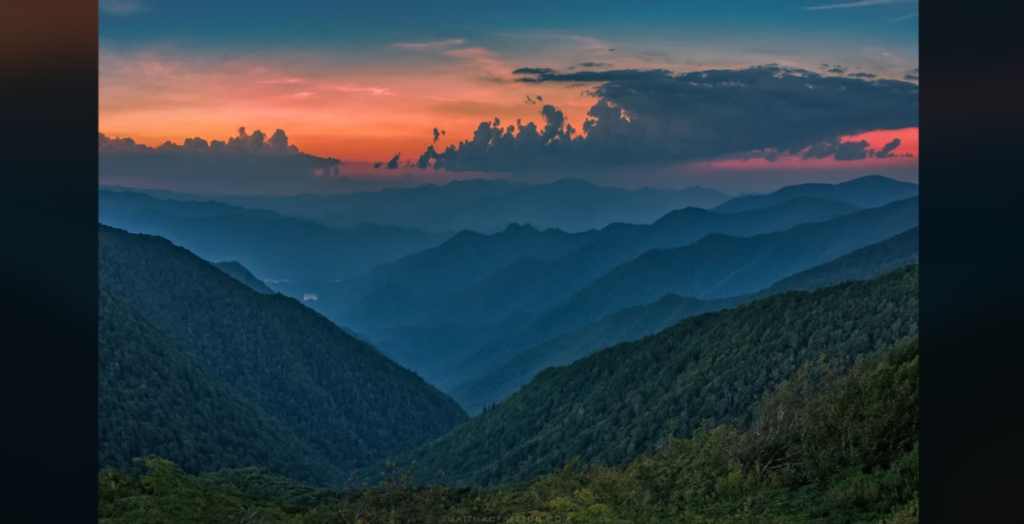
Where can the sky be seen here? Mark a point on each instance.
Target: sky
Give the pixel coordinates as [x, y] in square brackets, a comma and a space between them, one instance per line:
[735, 94]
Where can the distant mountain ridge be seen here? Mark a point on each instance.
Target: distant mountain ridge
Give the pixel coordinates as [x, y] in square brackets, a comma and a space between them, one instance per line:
[864, 192]
[480, 205]
[268, 244]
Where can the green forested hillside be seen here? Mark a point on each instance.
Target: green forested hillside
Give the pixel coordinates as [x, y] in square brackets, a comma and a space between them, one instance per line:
[834, 445]
[339, 395]
[617, 403]
[155, 399]
[636, 322]
[629, 324]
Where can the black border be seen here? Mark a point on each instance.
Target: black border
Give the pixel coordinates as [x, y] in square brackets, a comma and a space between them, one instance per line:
[49, 58]
[971, 270]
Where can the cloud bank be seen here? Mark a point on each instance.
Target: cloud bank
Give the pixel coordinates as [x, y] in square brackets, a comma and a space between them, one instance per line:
[251, 161]
[655, 116]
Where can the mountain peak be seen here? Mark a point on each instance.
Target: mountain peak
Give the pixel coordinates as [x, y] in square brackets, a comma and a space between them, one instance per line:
[520, 228]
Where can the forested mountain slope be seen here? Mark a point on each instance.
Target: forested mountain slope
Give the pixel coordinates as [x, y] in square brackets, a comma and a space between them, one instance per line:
[341, 396]
[155, 399]
[617, 403]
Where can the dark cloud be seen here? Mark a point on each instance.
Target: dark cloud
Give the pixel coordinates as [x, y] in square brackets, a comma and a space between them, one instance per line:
[393, 163]
[250, 160]
[256, 143]
[530, 100]
[540, 98]
[862, 75]
[593, 64]
[437, 135]
[852, 151]
[835, 69]
[910, 78]
[887, 150]
[659, 117]
[533, 71]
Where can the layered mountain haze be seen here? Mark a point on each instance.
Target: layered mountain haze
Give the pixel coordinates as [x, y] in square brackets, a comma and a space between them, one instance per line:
[720, 266]
[639, 321]
[338, 395]
[531, 284]
[270, 245]
[467, 258]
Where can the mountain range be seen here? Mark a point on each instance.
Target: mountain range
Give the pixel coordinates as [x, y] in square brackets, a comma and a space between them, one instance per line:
[450, 354]
[530, 284]
[479, 205]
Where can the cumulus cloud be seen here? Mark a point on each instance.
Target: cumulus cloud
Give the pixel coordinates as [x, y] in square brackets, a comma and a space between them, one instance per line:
[911, 78]
[887, 150]
[245, 158]
[244, 143]
[644, 116]
[862, 75]
[852, 150]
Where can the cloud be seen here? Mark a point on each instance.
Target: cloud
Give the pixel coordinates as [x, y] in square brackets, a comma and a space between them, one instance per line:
[122, 7]
[887, 150]
[862, 75]
[431, 45]
[438, 134]
[593, 64]
[911, 78]
[862, 3]
[852, 151]
[241, 160]
[656, 117]
[530, 100]
[905, 17]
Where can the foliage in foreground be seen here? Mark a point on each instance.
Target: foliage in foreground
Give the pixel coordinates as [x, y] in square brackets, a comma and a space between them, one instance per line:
[832, 445]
